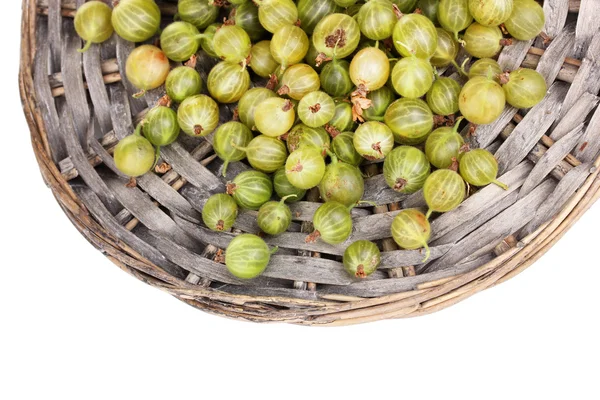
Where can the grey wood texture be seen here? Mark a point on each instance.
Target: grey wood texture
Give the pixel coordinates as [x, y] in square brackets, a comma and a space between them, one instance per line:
[44, 94]
[531, 129]
[556, 12]
[577, 115]
[588, 25]
[588, 149]
[550, 159]
[97, 89]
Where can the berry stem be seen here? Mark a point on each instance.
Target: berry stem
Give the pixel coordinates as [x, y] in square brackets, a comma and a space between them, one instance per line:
[283, 199]
[502, 185]
[427, 252]
[274, 250]
[428, 215]
[457, 124]
[86, 47]
[225, 165]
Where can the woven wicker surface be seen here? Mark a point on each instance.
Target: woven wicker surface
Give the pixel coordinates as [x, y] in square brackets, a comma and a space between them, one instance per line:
[79, 106]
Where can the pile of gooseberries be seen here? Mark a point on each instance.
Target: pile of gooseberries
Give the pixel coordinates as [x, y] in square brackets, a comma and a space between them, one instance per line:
[321, 90]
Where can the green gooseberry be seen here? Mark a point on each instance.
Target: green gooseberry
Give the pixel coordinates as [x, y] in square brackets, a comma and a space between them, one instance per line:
[274, 116]
[412, 77]
[411, 231]
[343, 147]
[250, 189]
[247, 256]
[248, 103]
[180, 40]
[411, 120]
[227, 82]
[444, 190]
[481, 100]
[373, 140]
[442, 98]
[198, 115]
[136, 20]
[483, 41]
[275, 217]
[305, 167]
[92, 23]
[380, 99]
[289, 45]
[361, 258]
[446, 51]
[265, 153]
[342, 182]
[316, 109]
[134, 154]
[405, 169]
[444, 145]
[332, 222]
[415, 35]
[183, 82]
[200, 13]
[302, 135]
[228, 140]
[220, 212]
[524, 87]
[262, 62]
[479, 168]
[160, 126]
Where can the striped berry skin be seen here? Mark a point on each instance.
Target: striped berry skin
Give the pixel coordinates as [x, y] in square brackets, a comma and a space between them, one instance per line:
[481, 100]
[198, 115]
[232, 44]
[274, 116]
[525, 88]
[228, 82]
[343, 147]
[411, 120]
[273, 14]
[336, 31]
[485, 67]
[479, 168]
[147, 67]
[446, 51]
[490, 12]
[274, 217]
[373, 140]
[483, 41]
[526, 20]
[415, 35]
[411, 231]
[284, 188]
[302, 135]
[380, 101]
[247, 256]
[370, 68]
[443, 146]
[246, 17]
[266, 154]
[454, 15]
[183, 82]
[444, 190]
[261, 61]
[316, 109]
[251, 189]
[180, 41]
[310, 12]
[412, 77]
[228, 140]
[305, 167]
[289, 45]
[405, 169]
[92, 23]
[199, 13]
[333, 223]
[206, 41]
[377, 19]
[442, 98]
[299, 80]
[160, 126]
[342, 182]
[136, 20]
[335, 78]
[220, 212]
[361, 258]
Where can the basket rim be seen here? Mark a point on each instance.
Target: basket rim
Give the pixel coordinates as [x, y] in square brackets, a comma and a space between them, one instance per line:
[430, 297]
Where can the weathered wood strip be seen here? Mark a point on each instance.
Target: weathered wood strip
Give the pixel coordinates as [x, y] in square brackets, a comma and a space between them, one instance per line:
[403, 258]
[511, 57]
[588, 77]
[552, 61]
[588, 25]
[501, 226]
[79, 158]
[415, 200]
[531, 129]
[95, 83]
[575, 116]
[46, 103]
[73, 76]
[479, 203]
[377, 190]
[550, 159]
[105, 218]
[556, 12]
[588, 150]
[565, 189]
[141, 206]
[255, 291]
[54, 34]
[195, 173]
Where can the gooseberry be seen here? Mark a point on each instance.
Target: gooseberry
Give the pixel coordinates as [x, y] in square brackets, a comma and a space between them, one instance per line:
[198, 115]
[373, 140]
[316, 109]
[273, 14]
[483, 41]
[481, 100]
[232, 44]
[526, 20]
[370, 67]
[412, 77]
[248, 103]
[411, 231]
[265, 153]
[415, 35]
[410, 120]
[274, 217]
[444, 145]
[342, 183]
[443, 191]
[136, 20]
[220, 212]
[479, 168]
[361, 258]
[377, 19]
[199, 13]
[305, 167]
[183, 82]
[303, 135]
[299, 80]
[92, 23]
[442, 98]
[405, 169]
[180, 40]
[524, 88]
[336, 31]
[227, 82]
[247, 256]
[284, 188]
[332, 222]
[343, 147]
[228, 140]
[250, 189]
[160, 126]
[147, 67]
[134, 154]
[274, 116]
[490, 12]
[289, 45]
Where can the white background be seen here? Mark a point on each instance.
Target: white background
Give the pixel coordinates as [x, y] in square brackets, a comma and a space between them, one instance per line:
[74, 326]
